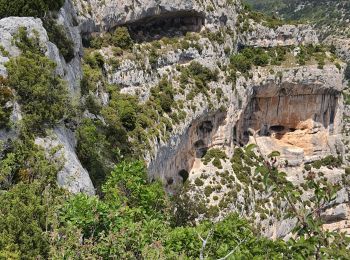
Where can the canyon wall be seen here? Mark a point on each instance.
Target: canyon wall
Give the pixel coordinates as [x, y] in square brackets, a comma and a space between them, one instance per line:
[295, 109]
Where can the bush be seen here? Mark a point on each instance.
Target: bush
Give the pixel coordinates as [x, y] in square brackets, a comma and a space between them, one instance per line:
[164, 95]
[121, 38]
[58, 36]
[329, 161]
[36, 8]
[215, 154]
[92, 150]
[6, 96]
[198, 182]
[42, 94]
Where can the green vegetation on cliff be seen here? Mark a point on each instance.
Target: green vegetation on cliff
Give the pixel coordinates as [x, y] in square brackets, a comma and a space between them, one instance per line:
[42, 94]
[132, 217]
[36, 8]
[331, 17]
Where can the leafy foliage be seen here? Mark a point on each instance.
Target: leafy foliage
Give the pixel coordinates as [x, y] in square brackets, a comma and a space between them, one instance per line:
[42, 94]
[28, 174]
[58, 36]
[36, 8]
[216, 155]
[6, 96]
[119, 38]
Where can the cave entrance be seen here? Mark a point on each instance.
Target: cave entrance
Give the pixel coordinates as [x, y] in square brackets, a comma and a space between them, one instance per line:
[298, 121]
[184, 175]
[170, 24]
[200, 148]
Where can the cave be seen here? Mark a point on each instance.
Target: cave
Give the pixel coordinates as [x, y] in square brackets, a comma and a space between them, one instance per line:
[277, 128]
[201, 148]
[291, 119]
[179, 161]
[171, 24]
[184, 175]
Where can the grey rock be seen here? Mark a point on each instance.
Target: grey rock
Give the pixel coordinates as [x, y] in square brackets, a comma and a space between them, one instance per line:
[285, 35]
[73, 176]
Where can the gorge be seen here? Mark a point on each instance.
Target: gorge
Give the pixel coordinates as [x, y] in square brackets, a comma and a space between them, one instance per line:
[134, 129]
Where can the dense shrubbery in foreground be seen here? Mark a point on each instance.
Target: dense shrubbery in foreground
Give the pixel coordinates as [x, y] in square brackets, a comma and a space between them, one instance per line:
[135, 219]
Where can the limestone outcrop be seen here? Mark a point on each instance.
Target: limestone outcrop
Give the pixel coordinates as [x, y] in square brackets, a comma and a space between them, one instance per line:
[295, 109]
[97, 17]
[342, 46]
[284, 35]
[298, 113]
[73, 176]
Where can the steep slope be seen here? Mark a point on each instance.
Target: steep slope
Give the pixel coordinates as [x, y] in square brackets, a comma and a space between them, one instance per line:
[230, 111]
[329, 17]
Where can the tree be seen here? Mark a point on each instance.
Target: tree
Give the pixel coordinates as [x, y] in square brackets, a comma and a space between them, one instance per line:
[36, 8]
[42, 93]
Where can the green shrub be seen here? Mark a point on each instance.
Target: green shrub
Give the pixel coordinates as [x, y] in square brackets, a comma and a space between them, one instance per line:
[329, 161]
[23, 161]
[37, 8]
[42, 94]
[24, 212]
[6, 96]
[208, 190]
[92, 150]
[58, 36]
[198, 182]
[215, 154]
[307, 167]
[91, 79]
[121, 38]
[163, 94]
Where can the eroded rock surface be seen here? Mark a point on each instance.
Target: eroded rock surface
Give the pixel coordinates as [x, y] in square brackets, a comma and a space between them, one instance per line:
[96, 17]
[294, 109]
[285, 35]
[73, 176]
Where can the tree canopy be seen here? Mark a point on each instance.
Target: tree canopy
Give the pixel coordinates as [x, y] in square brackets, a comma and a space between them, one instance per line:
[36, 8]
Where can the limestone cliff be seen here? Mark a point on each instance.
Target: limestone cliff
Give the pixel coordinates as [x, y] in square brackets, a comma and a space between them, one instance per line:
[73, 176]
[277, 103]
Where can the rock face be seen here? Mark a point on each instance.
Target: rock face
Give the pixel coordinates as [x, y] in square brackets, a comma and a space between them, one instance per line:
[285, 35]
[342, 46]
[174, 162]
[294, 109]
[9, 28]
[73, 176]
[97, 17]
[298, 113]
[68, 17]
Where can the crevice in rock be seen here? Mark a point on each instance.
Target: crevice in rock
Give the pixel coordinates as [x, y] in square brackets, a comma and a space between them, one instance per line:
[169, 24]
[178, 161]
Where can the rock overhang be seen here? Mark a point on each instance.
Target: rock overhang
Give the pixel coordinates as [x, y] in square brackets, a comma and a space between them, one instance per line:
[169, 24]
[298, 114]
[111, 14]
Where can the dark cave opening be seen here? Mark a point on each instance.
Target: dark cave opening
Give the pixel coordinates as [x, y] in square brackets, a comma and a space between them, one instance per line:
[184, 175]
[277, 128]
[169, 24]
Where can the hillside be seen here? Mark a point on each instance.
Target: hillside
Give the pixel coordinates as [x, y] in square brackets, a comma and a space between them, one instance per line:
[171, 130]
[329, 17]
